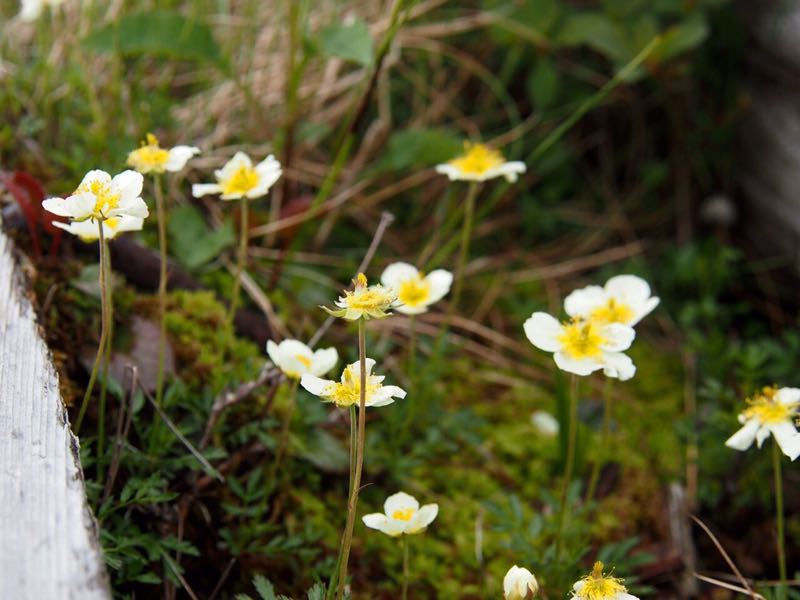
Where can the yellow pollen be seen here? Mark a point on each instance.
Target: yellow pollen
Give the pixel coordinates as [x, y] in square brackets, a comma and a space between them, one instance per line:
[414, 292]
[150, 157]
[580, 339]
[598, 586]
[765, 407]
[404, 514]
[242, 181]
[477, 159]
[306, 362]
[348, 392]
[360, 280]
[105, 198]
[375, 298]
[613, 312]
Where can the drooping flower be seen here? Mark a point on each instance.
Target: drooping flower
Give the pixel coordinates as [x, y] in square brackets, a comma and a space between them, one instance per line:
[771, 411]
[545, 423]
[87, 231]
[480, 163]
[623, 299]
[519, 584]
[32, 9]
[99, 197]
[347, 392]
[597, 586]
[238, 178]
[365, 301]
[415, 290]
[152, 158]
[296, 359]
[402, 515]
[583, 346]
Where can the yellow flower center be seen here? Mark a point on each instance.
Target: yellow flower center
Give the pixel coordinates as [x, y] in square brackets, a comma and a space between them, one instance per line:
[105, 199]
[598, 586]
[404, 514]
[767, 409]
[375, 298]
[414, 292]
[581, 339]
[150, 157]
[242, 181]
[348, 392]
[613, 312]
[478, 159]
[304, 360]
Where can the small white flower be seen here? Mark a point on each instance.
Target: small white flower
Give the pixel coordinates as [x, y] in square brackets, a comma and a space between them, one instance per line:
[583, 346]
[403, 515]
[519, 584]
[240, 179]
[597, 586]
[32, 9]
[545, 423]
[416, 291]
[364, 302]
[100, 197]
[296, 359]
[152, 158]
[348, 392]
[772, 411]
[480, 163]
[88, 231]
[624, 299]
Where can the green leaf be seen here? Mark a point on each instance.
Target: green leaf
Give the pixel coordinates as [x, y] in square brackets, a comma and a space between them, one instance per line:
[682, 37]
[264, 588]
[421, 148]
[599, 32]
[317, 592]
[544, 83]
[156, 33]
[325, 452]
[349, 42]
[191, 240]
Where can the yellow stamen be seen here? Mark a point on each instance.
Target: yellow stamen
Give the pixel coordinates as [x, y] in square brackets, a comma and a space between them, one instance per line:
[360, 280]
[597, 586]
[304, 360]
[243, 180]
[414, 292]
[613, 312]
[348, 392]
[404, 514]
[766, 408]
[581, 339]
[150, 157]
[477, 159]
[105, 198]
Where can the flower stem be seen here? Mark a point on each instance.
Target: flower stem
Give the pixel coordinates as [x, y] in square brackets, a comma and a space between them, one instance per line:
[605, 438]
[466, 234]
[103, 334]
[572, 435]
[107, 307]
[352, 503]
[405, 567]
[241, 260]
[776, 467]
[353, 444]
[162, 287]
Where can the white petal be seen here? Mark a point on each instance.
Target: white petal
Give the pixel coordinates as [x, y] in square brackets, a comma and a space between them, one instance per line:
[440, 282]
[642, 310]
[619, 337]
[127, 223]
[618, 365]
[581, 303]
[412, 310]
[400, 502]
[95, 175]
[761, 435]
[240, 159]
[545, 423]
[422, 518]
[291, 348]
[77, 206]
[316, 385]
[583, 367]
[454, 174]
[134, 207]
[324, 360]
[179, 156]
[272, 352]
[397, 273]
[788, 395]
[744, 438]
[787, 437]
[86, 230]
[629, 289]
[379, 522]
[128, 185]
[578, 585]
[205, 189]
[543, 330]
[509, 170]
[394, 527]
[625, 596]
[385, 395]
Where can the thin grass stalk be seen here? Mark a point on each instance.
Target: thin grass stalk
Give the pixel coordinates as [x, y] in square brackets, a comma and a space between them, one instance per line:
[241, 260]
[605, 439]
[362, 422]
[466, 234]
[569, 464]
[776, 468]
[161, 211]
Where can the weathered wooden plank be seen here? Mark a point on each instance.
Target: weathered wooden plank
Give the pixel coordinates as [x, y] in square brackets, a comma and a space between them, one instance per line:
[48, 536]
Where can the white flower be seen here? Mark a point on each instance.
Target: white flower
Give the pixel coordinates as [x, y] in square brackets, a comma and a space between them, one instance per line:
[624, 299]
[402, 515]
[88, 230]
[100, 197]
[32, 9]
[597, 586]
[583, 347]
[545, 423]
[519, 584]
[416, 291]
[479, 163]
[152, 158]
[364, 302]
[348, 391]
[296, 359]
[240, 179]
[771, 411]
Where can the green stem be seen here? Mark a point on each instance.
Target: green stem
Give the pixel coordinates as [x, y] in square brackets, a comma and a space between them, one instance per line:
[109, 327]
[103, 334]
[776, 467]
[466, 234]
[241, 260]
[412, 348]
[353, 444]
[352, 503]
[162, 287]
[405, 567]
[605, 438]
[572, 431]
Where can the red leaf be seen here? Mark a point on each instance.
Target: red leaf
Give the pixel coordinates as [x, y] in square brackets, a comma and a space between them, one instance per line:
[29, 194]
